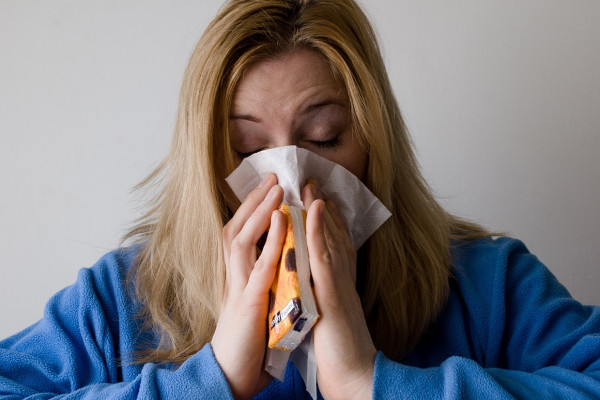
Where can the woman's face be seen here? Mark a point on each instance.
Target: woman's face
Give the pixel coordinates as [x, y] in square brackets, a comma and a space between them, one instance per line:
[295, 99]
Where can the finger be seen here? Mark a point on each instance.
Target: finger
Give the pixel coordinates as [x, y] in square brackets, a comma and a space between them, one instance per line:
[343, 258]
[339, 244]
[336, 228]
[311, 192]
[318, 250]
[243, 246]
[258, 222]
[336, 257]
[334, 215]
[250, 203]
[263, 273]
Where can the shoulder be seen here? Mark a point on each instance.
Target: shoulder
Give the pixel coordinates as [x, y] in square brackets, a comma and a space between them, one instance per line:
[492, 262]
[490, 278]
[108, 280]
[97, 311]
[101, 297]
[113, 267]
[499, 266]
[489, 251]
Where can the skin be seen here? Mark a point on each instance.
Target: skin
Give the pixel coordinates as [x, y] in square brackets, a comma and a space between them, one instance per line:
[293, 99]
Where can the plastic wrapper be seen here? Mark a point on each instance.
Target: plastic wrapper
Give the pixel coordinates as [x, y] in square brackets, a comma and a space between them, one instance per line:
[292, 308]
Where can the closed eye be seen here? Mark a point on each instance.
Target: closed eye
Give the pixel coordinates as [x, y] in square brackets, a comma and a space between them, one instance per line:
[326, 144]
[321, 144]
[248, 154]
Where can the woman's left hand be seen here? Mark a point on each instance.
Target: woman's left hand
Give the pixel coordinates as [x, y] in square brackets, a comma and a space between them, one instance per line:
[344, 351]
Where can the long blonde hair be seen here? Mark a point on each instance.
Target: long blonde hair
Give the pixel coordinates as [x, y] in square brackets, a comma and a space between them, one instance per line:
[180, 271]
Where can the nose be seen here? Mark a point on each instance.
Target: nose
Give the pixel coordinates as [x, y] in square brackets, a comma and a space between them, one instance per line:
[284, 137]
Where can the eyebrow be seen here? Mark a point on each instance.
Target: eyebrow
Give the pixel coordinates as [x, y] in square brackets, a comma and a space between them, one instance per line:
[324, 103]
[306, 110]
[246, 117]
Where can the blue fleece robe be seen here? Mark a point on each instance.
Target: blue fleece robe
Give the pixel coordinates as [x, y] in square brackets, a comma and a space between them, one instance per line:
[509, 330]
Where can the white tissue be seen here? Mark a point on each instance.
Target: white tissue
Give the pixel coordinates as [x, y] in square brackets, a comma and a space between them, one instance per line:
[360, 210]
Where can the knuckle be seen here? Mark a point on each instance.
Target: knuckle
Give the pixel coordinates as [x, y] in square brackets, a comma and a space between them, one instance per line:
[325, 257]
[256, 194]
[228, 234]
[259, 265]
[237, 244]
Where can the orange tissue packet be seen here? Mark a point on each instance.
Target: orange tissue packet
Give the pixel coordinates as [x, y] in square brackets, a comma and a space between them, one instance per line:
[292, 308]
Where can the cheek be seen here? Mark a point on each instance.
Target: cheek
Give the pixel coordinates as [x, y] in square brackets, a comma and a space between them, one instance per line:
[355, 161]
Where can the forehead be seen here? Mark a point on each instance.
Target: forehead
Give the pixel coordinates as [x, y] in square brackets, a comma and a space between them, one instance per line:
[293, 77]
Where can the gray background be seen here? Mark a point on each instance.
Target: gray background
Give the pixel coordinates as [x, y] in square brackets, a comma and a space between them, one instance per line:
[502, 98]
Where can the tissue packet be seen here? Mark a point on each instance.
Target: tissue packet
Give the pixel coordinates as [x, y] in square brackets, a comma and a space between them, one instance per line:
[292, 308]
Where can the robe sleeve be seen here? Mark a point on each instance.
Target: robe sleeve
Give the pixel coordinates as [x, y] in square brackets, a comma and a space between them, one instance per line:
[536, 340]
[83, 348]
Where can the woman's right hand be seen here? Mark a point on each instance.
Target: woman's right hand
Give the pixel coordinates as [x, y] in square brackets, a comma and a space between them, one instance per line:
[239, 341]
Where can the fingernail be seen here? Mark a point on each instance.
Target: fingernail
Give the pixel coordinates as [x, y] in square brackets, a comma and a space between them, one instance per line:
[265, 180]
[274, 216]
[272, 192]
[321, 209]
[316, 189]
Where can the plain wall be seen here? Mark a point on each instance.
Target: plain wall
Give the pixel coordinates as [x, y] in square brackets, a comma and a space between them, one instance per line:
[502, 99]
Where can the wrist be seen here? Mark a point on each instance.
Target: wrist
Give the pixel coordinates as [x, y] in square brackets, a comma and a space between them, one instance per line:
[364, 389]
[359, 386]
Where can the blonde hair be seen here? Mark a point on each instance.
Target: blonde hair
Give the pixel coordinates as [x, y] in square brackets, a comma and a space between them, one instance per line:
[180, 271]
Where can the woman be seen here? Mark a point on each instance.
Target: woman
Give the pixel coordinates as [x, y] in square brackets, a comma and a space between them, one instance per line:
[429, 306]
